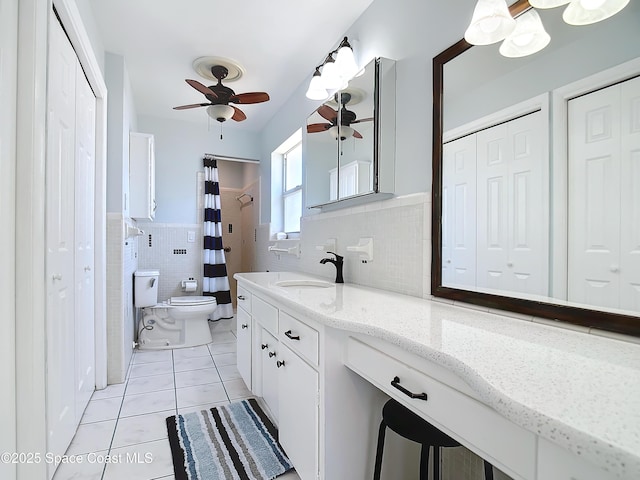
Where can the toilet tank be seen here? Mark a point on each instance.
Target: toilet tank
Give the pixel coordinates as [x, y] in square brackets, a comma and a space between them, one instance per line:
[145, 288]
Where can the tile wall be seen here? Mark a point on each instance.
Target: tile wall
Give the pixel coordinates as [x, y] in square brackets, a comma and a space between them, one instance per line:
[122, 261]
[400, 228]
[166, 247]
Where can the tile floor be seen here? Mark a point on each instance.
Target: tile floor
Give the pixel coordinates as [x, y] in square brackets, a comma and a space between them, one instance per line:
[123, 434]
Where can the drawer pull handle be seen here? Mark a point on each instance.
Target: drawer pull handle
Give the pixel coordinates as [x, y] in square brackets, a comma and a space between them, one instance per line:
[272, 354]
[292, 337]
[244, 325]
[241, 297]
[396, 384]
[264, 345]
[280, 363]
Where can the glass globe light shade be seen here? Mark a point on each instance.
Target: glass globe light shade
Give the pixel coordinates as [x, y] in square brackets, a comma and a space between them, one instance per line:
[346, 63]
[547, 3]
[341, 132]
[528, 37]
[491, 23]
[330, 76]
[221, 113]
[585, 12]
[316, 90]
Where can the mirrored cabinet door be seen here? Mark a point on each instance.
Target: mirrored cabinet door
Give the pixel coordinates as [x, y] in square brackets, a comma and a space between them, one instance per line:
[342, 148]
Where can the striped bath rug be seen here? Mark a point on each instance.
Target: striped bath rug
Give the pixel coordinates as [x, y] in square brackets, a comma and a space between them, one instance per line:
[236, 441]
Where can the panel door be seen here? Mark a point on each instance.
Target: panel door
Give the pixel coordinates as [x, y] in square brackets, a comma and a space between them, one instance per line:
[594, 198]
[459, 212]
[512, 207]
[84, 241]
[298, 413]
[244, 346]
[61, 111]
[630, 196]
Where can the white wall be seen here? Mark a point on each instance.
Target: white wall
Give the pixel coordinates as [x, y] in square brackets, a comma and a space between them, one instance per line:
[411, 32]
[179, 150]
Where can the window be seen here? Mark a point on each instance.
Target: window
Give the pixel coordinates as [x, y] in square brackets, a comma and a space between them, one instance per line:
[292, 188]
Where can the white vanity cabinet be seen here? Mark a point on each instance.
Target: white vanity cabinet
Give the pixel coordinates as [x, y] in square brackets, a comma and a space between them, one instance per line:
[243, 326]
[142, 176]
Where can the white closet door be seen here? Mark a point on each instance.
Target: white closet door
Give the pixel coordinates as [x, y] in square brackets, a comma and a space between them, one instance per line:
[630, 196]
[512, 211]
[459, 212]
[84, 241]
[61, 113]
[594, 198]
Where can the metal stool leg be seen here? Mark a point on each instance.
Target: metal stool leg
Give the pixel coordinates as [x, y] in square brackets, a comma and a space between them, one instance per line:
[488, 471]
[436, 463]
[424, 462]
[378, 468]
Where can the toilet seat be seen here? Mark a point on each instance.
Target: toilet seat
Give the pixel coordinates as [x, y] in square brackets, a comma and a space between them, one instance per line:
[191, 300]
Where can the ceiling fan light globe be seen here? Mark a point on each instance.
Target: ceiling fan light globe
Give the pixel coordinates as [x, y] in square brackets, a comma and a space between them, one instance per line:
[586, 12]
[491, 23]
[341, 132]
[528, 37]
[221, 113]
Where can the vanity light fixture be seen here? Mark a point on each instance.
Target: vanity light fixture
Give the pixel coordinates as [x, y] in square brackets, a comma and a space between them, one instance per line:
[491, 22]
[547, 3]
[586, 12]
[336, 72]
[528, 37]
[316, 90]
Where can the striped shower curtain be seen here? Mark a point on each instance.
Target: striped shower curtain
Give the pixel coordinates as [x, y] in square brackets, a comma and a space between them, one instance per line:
[215, 281]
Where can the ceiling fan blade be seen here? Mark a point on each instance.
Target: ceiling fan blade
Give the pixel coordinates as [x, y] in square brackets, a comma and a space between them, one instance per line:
[356, 134]
[193, 105]
[201, 88]
[363, 120]
[239, 115]
[318, 127]
[327, 113]
[250, 97]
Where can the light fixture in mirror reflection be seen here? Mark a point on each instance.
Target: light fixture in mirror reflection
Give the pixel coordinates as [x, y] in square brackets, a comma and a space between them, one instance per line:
[536, 175]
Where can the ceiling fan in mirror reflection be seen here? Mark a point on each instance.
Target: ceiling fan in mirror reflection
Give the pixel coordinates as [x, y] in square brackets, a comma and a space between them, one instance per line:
[338, 121]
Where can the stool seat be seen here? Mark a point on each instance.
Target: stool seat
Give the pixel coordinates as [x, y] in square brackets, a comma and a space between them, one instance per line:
[415, 428]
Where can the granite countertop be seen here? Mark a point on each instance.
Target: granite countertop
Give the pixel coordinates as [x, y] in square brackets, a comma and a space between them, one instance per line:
[579, 391]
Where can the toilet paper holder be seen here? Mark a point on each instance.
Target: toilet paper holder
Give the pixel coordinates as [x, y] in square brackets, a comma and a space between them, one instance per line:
[190, 285]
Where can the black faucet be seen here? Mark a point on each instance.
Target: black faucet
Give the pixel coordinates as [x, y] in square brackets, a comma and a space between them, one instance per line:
[338, 263]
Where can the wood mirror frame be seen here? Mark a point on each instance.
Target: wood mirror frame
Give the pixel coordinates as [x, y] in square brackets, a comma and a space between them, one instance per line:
[586, 317]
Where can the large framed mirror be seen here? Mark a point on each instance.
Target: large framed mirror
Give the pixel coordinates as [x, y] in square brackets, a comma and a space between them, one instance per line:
[346, 158]
[536, 174]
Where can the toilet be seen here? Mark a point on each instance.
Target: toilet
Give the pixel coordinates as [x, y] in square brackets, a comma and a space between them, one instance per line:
[176, 323]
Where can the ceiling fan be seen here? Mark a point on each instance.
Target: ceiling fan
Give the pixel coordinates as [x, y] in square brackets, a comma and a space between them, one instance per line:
[347, 118]
[219, 97]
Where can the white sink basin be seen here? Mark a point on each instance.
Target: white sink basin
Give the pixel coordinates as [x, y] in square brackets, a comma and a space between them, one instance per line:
[303, 283]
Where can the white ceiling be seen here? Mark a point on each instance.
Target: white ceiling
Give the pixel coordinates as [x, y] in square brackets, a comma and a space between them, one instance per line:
[277, 42]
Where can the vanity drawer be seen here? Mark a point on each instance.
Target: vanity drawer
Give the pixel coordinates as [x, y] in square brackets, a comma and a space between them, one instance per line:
[266, 314]
[300, 337]
[244, 299]
[477, 426]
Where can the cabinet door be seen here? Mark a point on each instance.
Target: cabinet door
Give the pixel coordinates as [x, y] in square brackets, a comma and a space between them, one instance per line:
[244, 346]
[269, 356]
[142, 202]
[298, 412]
